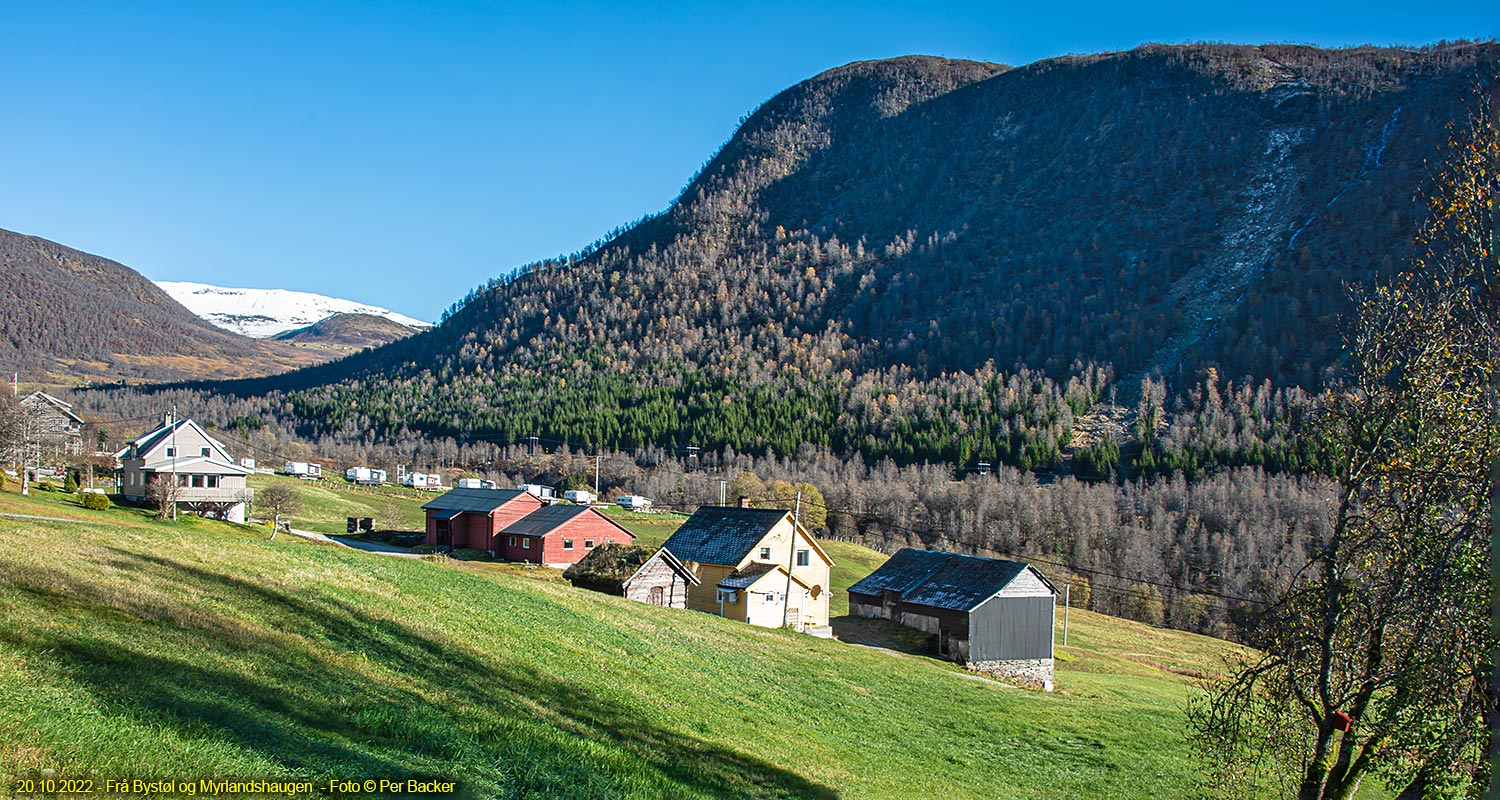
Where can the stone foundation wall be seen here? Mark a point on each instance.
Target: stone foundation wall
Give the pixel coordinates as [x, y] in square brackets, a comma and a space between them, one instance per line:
[1033, 673]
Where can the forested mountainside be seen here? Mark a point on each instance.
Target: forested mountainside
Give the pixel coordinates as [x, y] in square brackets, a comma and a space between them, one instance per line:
[66, 316]
[933, 259]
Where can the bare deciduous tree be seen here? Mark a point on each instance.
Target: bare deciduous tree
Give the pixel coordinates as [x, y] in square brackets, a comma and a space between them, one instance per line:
[278, 499]
[162, 492]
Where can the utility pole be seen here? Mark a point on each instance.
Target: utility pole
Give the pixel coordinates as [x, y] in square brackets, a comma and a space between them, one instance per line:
[984, 468]
[791, 561]
[693, 457]
[172, 493]
[723, 487]
[25, 448]
[597, 457]
[531, 444]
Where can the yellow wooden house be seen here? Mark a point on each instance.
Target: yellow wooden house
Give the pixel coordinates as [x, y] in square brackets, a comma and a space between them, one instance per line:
[755, 565]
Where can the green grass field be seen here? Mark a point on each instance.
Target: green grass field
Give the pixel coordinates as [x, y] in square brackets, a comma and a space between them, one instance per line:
[138, 648]
[326, 504]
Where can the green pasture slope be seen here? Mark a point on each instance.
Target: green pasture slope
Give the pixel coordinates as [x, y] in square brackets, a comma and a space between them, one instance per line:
[326, 504]
[136, 648]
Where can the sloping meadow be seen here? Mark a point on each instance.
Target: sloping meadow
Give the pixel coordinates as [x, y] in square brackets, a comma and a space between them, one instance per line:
[153, 651]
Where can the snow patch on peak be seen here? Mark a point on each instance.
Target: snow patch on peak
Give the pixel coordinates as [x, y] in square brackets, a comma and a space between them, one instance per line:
[260, 313]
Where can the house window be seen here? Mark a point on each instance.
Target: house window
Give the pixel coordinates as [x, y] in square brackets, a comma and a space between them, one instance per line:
[196, 481]
[213, 481]
[728, 596]
[765, 554]
[203, 451]
[772, 598]
[802, 558]
[567, 544]
[525, 542]
[171, 452]
[588, 544]
[182, 480]
[512, 541]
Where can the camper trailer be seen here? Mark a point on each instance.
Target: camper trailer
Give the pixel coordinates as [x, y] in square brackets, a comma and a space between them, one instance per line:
[474, 483]
[365, 476]
[633, 502]
[422, 480]
[306, 470]
[536, 490]
[582, 497]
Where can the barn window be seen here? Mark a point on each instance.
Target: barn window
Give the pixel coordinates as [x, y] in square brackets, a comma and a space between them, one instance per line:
[525, 542]
[512, 541]
[588, 544]
[567, 544]
[765, 554]
[802, 558]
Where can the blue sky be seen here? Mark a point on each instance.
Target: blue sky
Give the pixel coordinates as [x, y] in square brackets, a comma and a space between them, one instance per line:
[399, 153]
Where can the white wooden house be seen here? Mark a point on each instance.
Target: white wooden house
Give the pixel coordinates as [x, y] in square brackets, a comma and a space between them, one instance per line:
[207, 479]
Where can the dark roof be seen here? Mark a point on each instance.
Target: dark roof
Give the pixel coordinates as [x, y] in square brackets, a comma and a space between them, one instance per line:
[547, 519]
[742, 579]
[902, 572]
[611, 565]
[485, 500]
[150, 439]
[608, 564]
[722, 534]
[964, 582]
[447, 513]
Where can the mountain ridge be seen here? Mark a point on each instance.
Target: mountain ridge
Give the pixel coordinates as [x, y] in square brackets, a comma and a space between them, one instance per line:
[946, 260]
[70, 316]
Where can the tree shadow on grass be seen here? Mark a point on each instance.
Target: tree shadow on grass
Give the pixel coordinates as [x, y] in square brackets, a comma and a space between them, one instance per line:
[327, 689]
[885, 634]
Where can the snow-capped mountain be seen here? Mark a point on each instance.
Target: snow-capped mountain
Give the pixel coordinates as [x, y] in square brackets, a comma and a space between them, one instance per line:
[261, 313]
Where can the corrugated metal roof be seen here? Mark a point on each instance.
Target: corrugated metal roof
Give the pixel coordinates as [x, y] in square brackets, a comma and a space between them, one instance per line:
[485, 500]
[964, 582]
[544, 520]
[903, 571]
[722, 534]
[744, 578]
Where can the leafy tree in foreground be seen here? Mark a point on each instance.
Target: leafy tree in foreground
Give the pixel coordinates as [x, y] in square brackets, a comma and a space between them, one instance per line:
[1385, 632]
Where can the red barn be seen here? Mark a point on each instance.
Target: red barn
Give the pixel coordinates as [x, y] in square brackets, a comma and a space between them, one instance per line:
[558, 536]
[473, 517]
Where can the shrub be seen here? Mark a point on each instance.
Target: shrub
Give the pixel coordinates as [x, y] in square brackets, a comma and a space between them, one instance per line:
[97, 501]
[70, 486]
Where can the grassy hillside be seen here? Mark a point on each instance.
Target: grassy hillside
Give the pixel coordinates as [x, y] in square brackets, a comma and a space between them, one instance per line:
[326, 504]
[141, 648]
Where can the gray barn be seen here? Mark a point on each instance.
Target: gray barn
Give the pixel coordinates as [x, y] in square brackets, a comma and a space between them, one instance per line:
[992, 615]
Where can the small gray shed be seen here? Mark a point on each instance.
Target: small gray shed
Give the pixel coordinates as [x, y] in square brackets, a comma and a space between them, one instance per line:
[992, 615]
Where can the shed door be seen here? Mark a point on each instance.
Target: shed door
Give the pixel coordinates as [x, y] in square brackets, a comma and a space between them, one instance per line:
[658, 596]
